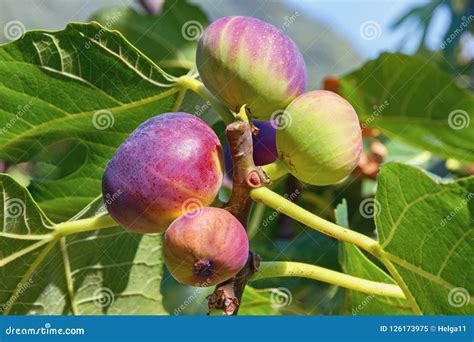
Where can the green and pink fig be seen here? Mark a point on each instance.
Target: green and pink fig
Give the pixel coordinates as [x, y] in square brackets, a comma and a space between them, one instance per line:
[169, 165]
[319, 138]
[243, 60]
[205, 247]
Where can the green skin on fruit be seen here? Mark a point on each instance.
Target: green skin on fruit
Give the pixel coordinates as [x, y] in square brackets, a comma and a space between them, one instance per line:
[245, 61]
[319, 139]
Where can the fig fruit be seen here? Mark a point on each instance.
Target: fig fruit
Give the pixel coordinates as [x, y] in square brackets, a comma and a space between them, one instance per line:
[169, 165]
[205, 247]
[319, 139]
[243, 60]
[264, 146]
[264, 142]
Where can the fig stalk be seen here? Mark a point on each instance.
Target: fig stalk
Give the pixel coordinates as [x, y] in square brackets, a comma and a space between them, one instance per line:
[282, 205]
[200, 89]
[277, 269]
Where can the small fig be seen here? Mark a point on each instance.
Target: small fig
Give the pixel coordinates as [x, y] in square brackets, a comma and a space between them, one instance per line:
[243, 60]
[169, 165]
[319, 139]
[205, 247]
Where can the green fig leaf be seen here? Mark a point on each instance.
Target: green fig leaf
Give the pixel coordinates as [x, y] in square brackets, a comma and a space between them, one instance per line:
[410, 99]
[426, 228]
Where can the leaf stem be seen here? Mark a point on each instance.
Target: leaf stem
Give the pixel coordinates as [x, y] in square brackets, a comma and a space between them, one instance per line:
[27, 277]
[277, 269]
[281, 204]
[199, 88]
[397, 277]
[68, 276]
[84, 225]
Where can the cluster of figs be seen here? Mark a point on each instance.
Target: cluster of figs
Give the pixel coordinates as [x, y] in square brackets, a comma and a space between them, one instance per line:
[170, 169]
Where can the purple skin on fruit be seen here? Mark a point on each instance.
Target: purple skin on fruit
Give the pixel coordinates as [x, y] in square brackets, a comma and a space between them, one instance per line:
[321, 141]
[264, 143]
[243, 60]
[264, 146]
[169, 165]
[205, 247]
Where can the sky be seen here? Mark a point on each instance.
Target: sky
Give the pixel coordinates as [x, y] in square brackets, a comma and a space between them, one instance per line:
[349, 17]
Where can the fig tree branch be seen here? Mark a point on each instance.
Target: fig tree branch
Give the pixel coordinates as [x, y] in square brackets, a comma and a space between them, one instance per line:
[227, 296]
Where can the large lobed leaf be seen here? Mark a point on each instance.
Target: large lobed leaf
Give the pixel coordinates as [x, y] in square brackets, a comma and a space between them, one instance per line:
[105, 271]
[427, 231]
[410, 99]
[69, 98]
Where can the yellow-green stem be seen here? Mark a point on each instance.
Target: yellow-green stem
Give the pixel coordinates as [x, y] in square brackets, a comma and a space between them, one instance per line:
[297, 269]
[199, 88]
[281, 204]
[84, 225]
[396, 276]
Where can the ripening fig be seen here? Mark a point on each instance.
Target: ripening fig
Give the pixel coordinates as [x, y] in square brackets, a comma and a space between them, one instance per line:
[264, 146]
[319, 139]
[264, 142]
[169, 165]
[243, 60]
[205, 247]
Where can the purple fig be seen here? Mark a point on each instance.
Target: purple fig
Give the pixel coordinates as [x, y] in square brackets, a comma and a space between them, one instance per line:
[169, 165]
